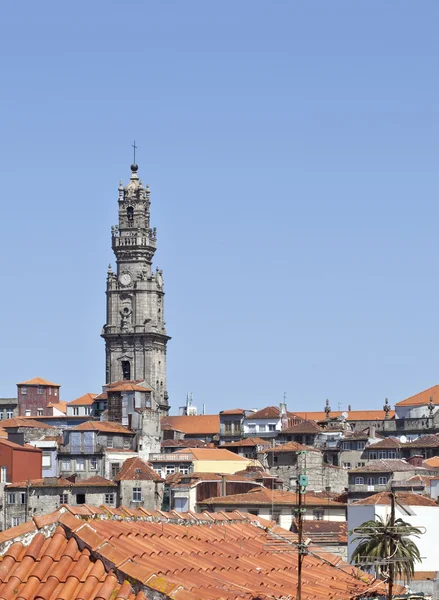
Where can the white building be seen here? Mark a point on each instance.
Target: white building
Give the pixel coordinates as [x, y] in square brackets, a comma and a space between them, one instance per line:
[419, 511]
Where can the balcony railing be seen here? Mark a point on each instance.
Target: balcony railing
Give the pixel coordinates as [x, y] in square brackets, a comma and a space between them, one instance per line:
[172, 457]
[96, 449]
[372, 488]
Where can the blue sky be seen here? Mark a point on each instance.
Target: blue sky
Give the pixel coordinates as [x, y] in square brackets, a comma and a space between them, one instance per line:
[292, 151]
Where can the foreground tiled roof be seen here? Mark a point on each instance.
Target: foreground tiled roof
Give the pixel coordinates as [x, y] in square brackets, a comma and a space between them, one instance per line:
[194, 425]
[266, 496]
[85, 400]
[25, 422]
[136, 469]
[85, 553]
[102, 426]
[423, 398]
[39, 381]
[408, 498]
[325, 532]
[386, 466]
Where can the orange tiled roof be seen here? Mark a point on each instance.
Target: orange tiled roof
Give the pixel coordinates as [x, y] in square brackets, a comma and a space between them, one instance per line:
[28, 447]
[262, 495]
[408, 498]
[137, 469]
[194, 425]
[389, 442]
[353, 415]
[290, 447]
[84, 400]
[247, 442]
[25, 422]
[39, 381]
[103, 426]
[211, 454]
[61, 406]
[426, 441]
[77, 551]
[190, 443]
[127, 386]
[96, 480]
[320, 532]
[423, 398]
[432, 463]
[305, 427]
[232, 411]
[43, 482]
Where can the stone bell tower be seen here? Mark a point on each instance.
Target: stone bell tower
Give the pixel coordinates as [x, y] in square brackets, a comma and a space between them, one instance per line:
[135, 335]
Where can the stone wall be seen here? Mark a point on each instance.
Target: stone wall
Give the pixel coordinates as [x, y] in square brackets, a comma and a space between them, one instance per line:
[151, 493]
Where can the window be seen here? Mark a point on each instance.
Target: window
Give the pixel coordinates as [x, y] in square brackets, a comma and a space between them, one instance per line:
[137, 494]
[359, 480]
[272, 428]
[170, 469]
[184, 469]
[228, 426]
[371, 481]
[50, 391]
[80, 464]
[391, 454]
[361, 445]
[27, 413]
[262, 428]
[24, 391]
[11, 498]
[346, 465]
[360, 464]
[87, 410]
[10, 414]
[80, 498]
[253, 512]
[109, 499]
[126, 370]
[75, 411]
[237, 425]
[252, 428]
[127, 443]
[55, 392]
[382, 480]
[130, 213]
[373, 455]
[275, 458]
[63, 498]
[115, 468]
[40, 412]
[4, 474]
[94, 463]
[318, 515]
[15, 521]
[47, 460]
[22, 497]
[65, 464]
[346, 446]
[40, 390]
[110, 442]
[382, 454]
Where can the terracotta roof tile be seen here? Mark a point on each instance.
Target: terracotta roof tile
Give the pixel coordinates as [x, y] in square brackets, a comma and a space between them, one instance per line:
[85, 400]
[220, 556]
[96, 480]
[353, 415]
[194, 425]
[423, 398]
[24, 422]
[137, 469]
[267, 496]
[305, 427]
[103, 426]
[387, 466]
[211, 454]
[250, 441]
[425, 441]
[431, 463]
[61, 406]
[404, 498]
[389, 442]
[39, 381]
[290, 447]
[232, 411]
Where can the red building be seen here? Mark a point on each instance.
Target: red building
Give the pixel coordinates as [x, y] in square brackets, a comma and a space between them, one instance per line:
[35, 395]
[18, 463]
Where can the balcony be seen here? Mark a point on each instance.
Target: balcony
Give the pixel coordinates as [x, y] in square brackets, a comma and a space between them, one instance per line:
[171, 457]
[364, 488]
[97, 449]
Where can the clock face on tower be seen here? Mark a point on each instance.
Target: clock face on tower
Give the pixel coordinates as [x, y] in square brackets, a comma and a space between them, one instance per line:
[125, 278]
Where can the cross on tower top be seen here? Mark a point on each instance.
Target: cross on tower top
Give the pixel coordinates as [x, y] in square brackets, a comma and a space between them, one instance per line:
[135, 148]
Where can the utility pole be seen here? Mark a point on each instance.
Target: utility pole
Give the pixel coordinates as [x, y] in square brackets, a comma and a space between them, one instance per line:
[302, 482]
[392, 548]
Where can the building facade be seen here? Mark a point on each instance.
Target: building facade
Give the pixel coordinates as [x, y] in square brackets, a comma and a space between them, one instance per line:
[134, 333]
[35, 395]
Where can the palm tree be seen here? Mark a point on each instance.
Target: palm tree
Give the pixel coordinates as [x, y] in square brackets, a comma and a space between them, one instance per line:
[388, 542]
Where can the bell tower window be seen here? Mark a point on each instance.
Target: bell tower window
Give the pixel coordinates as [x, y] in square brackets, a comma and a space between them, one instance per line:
[130, 213]
[126, 369]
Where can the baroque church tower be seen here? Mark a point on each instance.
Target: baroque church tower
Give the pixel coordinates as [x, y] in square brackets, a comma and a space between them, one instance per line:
[135, 335]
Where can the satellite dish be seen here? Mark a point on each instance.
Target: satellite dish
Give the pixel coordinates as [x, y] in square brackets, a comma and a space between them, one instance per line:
[344, 415]
[403, 439]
